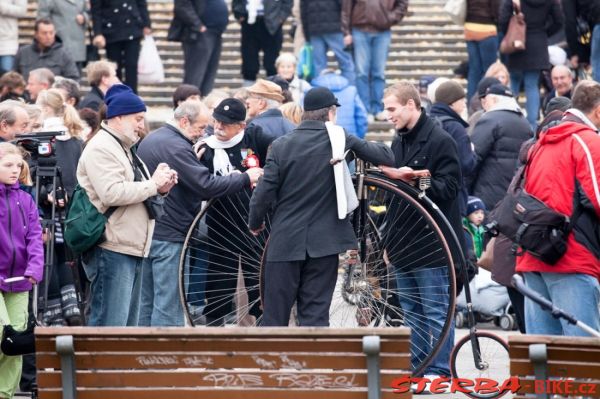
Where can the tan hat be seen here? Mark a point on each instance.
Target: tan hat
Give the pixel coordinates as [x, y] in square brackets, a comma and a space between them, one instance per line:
[266, 89]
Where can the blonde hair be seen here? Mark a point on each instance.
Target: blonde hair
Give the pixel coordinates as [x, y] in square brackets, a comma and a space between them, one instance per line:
[496, 68]
[98, 70]
[404, 91]
[214, 98]
[53, 99]
[11, 149]
[292, 111]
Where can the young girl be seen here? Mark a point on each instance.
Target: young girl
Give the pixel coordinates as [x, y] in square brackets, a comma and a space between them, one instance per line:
[21, 255]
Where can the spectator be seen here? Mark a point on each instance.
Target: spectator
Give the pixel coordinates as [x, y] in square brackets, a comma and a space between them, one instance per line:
[113, 176]
[10, 12]
[211, 101]
[449, 109]
[261, 23]
[285, 87]
[306, 235]
[172, 143]
[325, 29]
[424, 83]
[558, 103]
[69, 89]
[543, 18]
[199, 26]
[562, 173]
[119, 26]
[38, 80]
[45, 52]
[371, 34]
[499, 71]
[286, 68]
[352, 114]
[292, 112]
[589, 11]
[497, 137]
[21, 254]
[482, 39]
[101, 75]
[183, 93]
[477, 105]
[263, 107]
[13, 120]
[562, 82]
[35, 118]
[423, 144]
[12, 86]
[70, 18]
[432, 87]
[91, 119]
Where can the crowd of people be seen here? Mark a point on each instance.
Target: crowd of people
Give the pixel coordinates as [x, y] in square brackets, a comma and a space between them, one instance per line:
[150, 185]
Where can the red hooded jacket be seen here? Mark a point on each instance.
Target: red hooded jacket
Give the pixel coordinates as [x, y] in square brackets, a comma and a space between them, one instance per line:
[566, 153]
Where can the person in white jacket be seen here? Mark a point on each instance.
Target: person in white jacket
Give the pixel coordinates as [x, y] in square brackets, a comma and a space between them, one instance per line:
[10, 12]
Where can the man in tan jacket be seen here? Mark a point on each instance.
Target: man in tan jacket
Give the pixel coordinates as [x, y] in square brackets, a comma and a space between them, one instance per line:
[114, 178]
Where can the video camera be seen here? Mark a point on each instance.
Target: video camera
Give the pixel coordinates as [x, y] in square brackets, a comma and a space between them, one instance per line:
[40, 146]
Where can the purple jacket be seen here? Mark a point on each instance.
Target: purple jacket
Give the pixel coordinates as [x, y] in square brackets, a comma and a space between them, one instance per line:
[21, 247]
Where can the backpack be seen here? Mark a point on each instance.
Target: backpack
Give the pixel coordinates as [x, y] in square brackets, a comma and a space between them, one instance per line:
[84, 225]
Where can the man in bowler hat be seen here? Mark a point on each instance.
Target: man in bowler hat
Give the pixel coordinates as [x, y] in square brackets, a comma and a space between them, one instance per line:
[306, 233]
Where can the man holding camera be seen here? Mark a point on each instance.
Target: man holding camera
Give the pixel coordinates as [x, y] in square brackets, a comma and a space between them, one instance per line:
[114, 177]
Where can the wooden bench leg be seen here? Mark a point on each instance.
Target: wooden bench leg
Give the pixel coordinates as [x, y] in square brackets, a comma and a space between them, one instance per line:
[66, 350]
[538, 354]
[372, 347]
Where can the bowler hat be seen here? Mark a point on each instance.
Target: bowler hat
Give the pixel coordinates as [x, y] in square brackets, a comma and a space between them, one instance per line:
[318, 98]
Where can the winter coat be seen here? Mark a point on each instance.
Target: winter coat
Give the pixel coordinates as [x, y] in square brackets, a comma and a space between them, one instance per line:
[497, 138]
[588, 10]
[93, 100]
[456, 127]
[195, 182]
[543, 19]
[427, 146]
[10, 11]
[119, 20]
[373, 16]
[483, 11]
[352, 115]
[276, 12]
[22, 250]
[189, 16]
[273, 123]
[323, 16]
[562, 172]
[55, 58]
[63, 13]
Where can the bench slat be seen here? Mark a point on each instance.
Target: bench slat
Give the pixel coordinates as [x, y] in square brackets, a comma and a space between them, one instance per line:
[212, 360]
[584, 354]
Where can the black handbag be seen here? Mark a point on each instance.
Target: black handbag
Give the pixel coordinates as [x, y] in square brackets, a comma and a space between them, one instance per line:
[17, 343]
[91, 52]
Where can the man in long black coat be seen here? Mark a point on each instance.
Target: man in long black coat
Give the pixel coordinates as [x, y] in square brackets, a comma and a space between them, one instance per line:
[306, 234]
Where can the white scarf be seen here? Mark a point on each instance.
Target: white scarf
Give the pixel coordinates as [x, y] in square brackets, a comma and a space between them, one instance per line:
[221, 164]
[344, 189]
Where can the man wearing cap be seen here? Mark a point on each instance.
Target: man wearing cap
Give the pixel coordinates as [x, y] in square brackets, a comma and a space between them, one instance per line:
[172, 143]
[306, 233]
[497, 138]
[263, 102]
[231, 149]
[114, 177]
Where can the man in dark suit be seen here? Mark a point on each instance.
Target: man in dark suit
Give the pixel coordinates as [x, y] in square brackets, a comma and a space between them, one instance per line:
[306, 234]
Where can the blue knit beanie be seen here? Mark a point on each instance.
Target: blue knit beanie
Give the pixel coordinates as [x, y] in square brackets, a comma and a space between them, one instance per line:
[121, 100]
[474, 204]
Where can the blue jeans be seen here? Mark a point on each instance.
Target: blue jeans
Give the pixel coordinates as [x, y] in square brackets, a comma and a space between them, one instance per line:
[424, 299]
[481, 54]
[6, 62]
[595, 56]
[115, 288]
[577, 294]
[335, 42]
[160, 304]
[531, 80]
[370, 56]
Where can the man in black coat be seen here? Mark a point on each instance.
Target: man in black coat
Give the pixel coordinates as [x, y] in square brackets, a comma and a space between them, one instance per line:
[422, 144]
[263, 104]
[101, 75]
[306, 234]
[172, 143]
[261, 23]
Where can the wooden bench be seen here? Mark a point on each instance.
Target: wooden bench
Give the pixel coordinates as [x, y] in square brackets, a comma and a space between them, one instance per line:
[221, 363]
[572, 362]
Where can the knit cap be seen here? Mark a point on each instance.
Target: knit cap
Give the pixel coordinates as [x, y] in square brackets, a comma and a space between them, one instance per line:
[449, 92]
[474, 204]
[121, 100]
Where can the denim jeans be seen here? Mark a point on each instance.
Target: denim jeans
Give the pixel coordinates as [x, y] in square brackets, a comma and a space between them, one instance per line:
[530, 79]
[160, 304]
[115, 287]
[424, 318]
[595, 56]
[6, 62]
[577, 294]
[481, 54]
[335, 42]
[370, 56]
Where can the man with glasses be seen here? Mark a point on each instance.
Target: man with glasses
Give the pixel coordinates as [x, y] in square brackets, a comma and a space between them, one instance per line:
[263, 107]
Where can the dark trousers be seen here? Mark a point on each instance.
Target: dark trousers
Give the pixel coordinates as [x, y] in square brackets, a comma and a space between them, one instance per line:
[201, 60]
[256, 37]
[126, 54]
[518, 303]
[310, 283]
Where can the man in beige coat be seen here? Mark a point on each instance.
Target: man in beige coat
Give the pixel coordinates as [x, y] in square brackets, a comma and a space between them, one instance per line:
[117, 181]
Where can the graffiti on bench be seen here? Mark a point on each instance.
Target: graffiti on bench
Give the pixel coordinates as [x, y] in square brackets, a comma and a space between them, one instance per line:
[283, 380]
